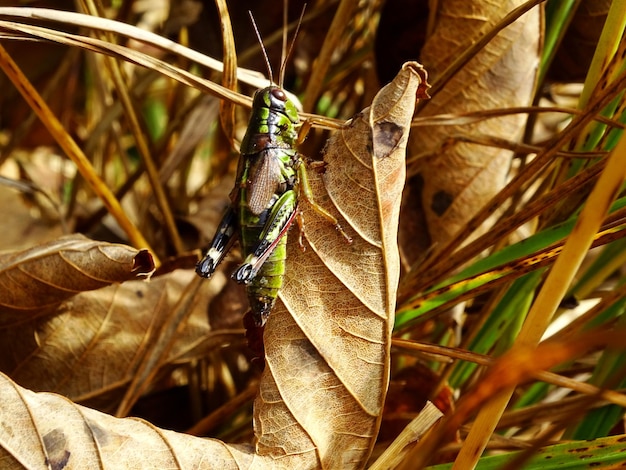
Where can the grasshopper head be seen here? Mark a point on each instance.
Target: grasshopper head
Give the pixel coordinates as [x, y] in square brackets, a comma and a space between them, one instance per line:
[275, 98]
[272, 122]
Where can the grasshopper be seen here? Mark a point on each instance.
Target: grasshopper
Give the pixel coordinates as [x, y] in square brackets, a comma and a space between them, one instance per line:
[271, 179]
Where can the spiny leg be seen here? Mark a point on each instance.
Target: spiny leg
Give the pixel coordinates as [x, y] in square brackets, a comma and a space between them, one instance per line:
[305, 190]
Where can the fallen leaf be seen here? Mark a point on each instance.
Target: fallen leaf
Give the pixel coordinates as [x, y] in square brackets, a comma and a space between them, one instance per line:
[89, 348]
[35, 280]
[459, 178]
[45, 430]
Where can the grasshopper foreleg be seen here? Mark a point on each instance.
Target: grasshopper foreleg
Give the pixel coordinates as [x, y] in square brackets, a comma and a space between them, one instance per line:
[222, 241]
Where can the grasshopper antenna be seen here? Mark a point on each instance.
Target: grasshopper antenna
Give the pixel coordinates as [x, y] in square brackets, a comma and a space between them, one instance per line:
[258, 36]
[285, 56]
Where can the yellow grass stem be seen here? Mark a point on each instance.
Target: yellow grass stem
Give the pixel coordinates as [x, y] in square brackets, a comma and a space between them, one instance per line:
[553, 291]
[71, 148]
[142, 145]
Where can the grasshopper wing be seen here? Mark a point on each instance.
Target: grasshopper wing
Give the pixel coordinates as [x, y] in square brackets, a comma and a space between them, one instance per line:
[264, 180]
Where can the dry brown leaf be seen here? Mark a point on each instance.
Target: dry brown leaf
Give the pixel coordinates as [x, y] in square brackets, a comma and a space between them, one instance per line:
[460, 178]
[327, 342]
[93, 343]
[35, 280]
[44, 430]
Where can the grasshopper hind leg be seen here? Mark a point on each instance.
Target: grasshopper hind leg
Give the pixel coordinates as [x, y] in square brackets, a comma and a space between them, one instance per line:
[222, 241]
[280, 219]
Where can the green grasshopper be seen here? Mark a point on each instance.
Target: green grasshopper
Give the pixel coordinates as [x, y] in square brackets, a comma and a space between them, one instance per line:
[271, 178]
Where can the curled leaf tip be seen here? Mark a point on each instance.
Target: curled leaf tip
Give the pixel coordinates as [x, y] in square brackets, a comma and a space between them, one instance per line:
[422, 89]
[143, 263]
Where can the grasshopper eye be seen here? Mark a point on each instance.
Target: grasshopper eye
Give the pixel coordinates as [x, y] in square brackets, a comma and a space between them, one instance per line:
[279, 94]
